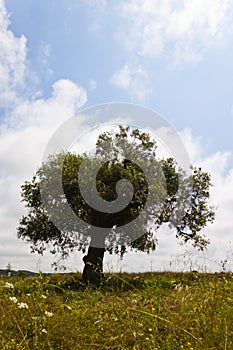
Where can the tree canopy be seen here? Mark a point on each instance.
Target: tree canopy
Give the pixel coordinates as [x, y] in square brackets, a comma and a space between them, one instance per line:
[130, 194]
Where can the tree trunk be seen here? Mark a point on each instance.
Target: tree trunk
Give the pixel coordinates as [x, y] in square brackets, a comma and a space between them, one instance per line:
[93, 269]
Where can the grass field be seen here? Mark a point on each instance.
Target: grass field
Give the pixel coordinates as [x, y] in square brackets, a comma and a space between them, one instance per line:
[130, 311]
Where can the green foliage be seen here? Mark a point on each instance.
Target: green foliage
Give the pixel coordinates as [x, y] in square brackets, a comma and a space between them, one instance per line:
[37, 227]
[166, 311]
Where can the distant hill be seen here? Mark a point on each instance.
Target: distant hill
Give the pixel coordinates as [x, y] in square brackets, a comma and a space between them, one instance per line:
[7, 272]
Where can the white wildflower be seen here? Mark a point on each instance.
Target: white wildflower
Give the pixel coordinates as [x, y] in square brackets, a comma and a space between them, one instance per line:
[44, 330]
[68, 307]
[9, 285]
[14, 299]
[22, 306]
[43, 296]
[49, 314]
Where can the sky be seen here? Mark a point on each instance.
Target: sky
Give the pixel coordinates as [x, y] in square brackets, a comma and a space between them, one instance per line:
[172, 56]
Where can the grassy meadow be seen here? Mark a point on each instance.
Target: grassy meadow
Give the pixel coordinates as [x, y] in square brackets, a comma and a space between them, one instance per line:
[189, 311]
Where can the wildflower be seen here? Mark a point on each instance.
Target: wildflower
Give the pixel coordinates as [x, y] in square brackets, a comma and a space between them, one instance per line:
[69, 307]
[9, 285]
[153, 309]
[147, 338]
[22, 306]
[44, 330]
[14, 299]
[150, 329]
[49, 314]
[43, 296]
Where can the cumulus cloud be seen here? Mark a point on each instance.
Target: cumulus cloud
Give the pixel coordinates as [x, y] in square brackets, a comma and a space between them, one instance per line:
[177, 31]
[25, 130]
[24, 138]
[170, 255]
[12, 60]
[182, 31]
[218, 165]
[133, 79]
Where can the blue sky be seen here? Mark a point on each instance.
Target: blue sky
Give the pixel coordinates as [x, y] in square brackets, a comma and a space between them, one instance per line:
[86, 41]
[57, 57]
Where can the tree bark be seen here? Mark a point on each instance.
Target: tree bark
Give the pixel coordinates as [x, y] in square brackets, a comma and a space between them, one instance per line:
[93, 269]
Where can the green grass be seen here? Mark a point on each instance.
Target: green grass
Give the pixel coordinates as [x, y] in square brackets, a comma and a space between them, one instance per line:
[130, 311]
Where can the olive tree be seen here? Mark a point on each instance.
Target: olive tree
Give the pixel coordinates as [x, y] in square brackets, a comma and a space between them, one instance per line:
[120, 194]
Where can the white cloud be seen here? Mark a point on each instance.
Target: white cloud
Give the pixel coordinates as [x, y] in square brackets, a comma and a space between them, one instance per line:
[22, 146]
[97, 11]
[25, 131]
[122, 78]
[97, 5]
[182, 31]
[217, 164]
[44, 54]
[177, 31]
[169, 255]
[133, 79]
[194, 145]
[93, 84]
[12, 60]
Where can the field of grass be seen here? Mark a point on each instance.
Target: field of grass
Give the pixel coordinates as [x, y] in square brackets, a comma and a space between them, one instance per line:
[130, 311]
